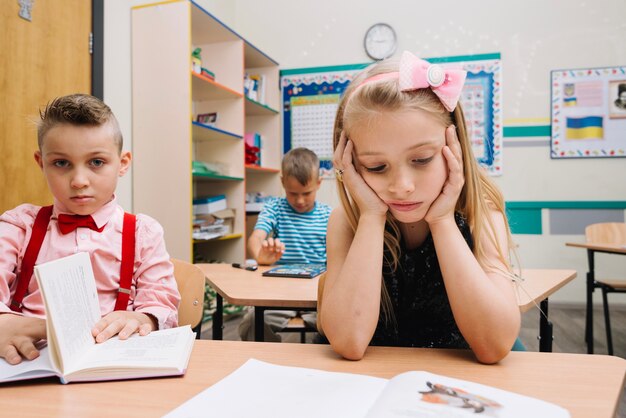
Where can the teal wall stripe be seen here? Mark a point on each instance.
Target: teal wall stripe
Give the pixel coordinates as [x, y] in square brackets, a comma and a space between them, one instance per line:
[525, 217]
[457, 58]
[331, 68]
[526, 131]
[347, 67]
[524, 221]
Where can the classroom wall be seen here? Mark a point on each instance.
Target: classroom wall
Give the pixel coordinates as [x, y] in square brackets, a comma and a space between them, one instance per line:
[533, 37]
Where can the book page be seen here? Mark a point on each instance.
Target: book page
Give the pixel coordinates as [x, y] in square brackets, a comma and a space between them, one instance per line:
[27, 369]
[168, 348]
[263, 390]
[422, 394]
[69, 291]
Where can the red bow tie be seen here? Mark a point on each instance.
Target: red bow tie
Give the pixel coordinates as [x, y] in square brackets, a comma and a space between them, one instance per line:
[69, 223]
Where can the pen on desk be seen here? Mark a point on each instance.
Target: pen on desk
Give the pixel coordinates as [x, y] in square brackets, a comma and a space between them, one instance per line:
[244, 266]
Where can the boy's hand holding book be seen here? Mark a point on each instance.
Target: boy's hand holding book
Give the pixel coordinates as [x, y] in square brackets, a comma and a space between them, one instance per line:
[73, 319]
[18, 335]
[124, 324]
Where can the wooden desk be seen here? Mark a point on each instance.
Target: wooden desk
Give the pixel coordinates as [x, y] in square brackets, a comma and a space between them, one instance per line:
[250, 288]
[242, 287]
[591, 280]
[537, 286]
[588, 386]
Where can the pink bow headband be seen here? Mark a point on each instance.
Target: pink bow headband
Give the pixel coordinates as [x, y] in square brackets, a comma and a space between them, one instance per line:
[417, 74]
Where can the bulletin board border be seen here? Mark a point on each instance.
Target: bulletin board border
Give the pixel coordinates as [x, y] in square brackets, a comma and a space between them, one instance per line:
[493, 159]
[555, 154]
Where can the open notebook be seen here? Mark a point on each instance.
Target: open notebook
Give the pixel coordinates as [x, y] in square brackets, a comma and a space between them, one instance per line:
[263, 390]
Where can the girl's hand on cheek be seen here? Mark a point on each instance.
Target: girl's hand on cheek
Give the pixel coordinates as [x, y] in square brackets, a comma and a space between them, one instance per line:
[443, 207]
[365, 198]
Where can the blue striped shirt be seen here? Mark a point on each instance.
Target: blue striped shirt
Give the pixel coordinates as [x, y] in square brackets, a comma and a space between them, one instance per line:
[304, 234]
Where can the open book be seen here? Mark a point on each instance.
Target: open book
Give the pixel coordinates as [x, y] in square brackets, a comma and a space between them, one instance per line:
[279, 391]
[72, 308]
[302, 271]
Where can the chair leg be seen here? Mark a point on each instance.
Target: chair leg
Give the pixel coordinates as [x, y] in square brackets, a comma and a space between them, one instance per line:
[302, 337]
[607, 321]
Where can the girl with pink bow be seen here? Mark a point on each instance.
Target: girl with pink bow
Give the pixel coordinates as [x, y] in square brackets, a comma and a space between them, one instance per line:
[419, 212]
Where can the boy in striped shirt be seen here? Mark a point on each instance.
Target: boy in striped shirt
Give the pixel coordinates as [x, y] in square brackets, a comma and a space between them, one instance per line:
[290, 230]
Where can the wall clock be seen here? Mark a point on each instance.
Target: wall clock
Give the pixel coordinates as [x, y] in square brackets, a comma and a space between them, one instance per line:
[380, 41]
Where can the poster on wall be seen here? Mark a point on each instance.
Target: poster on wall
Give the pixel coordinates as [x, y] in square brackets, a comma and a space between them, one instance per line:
[310, 102]
[311, 97]
[588, 113]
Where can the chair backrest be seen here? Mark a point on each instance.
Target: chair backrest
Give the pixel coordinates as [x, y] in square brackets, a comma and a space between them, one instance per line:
[606, 233]
[190, 281]
[320, 292]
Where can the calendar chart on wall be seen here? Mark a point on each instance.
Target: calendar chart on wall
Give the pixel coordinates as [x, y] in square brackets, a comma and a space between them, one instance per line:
[311, 97]
[310, 101]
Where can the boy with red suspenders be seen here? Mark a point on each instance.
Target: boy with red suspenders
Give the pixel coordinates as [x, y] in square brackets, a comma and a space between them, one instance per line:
[80, 154]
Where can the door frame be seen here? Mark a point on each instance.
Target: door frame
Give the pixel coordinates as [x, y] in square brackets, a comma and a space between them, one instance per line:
[97, 54]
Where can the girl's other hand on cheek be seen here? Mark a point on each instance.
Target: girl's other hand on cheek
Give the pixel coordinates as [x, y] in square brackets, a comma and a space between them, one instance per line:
[443, 207]
[366, 199]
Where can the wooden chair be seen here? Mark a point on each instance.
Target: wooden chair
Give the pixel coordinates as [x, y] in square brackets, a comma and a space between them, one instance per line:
[190, 281]
[613, 233]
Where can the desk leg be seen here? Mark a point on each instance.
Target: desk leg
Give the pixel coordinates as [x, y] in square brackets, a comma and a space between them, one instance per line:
[589, 316]
[259, 320]
[545, 329]
[218, 317]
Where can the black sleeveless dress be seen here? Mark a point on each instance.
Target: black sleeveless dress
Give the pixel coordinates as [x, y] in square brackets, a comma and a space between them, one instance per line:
[423, 317]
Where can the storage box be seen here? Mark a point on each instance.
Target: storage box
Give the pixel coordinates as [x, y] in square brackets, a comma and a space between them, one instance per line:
[224, 217]
[228, 216]
[208, 205]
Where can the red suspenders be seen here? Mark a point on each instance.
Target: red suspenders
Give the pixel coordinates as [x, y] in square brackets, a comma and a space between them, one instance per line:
[40, 228]
[128, 261]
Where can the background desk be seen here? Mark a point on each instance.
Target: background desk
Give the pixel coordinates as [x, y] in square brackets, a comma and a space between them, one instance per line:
[591, 277]
[250, 288]
[588, 386]
[535, 288]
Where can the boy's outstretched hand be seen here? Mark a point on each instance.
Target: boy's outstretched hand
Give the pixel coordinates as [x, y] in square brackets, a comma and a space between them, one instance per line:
[271, 251]
[18, 335]
[124, 324]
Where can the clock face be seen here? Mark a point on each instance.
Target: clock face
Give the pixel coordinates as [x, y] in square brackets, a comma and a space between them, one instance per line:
[380, 41]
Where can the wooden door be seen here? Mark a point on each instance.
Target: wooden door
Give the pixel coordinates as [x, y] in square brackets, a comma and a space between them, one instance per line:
[39, 60]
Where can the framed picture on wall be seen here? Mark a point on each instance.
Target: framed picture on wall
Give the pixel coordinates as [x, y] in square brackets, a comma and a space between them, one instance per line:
[588, 113]
[617, 99]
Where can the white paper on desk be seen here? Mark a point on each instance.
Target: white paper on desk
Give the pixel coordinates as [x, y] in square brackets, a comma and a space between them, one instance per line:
[264, 390]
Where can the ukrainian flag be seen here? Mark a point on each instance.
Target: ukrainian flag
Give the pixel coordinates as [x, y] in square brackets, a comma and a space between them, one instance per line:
[589, 127]
[569, 101]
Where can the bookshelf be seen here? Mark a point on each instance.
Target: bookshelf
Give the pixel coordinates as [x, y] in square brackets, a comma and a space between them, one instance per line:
[169, 145]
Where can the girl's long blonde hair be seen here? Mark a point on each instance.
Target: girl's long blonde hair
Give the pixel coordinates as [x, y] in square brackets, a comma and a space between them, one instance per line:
[479, 195]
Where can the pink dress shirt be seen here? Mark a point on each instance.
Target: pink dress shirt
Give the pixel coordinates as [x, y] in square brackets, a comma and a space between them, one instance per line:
[153, 289]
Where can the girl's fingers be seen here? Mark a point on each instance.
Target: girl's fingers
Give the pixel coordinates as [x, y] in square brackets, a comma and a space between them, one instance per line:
[452, 140]
[339, 150]
[346, 160]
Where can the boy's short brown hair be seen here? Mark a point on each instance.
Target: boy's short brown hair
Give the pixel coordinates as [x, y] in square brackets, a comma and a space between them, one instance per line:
[301, 164]
[77, 109]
